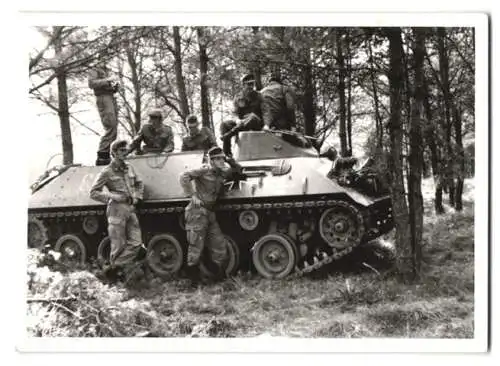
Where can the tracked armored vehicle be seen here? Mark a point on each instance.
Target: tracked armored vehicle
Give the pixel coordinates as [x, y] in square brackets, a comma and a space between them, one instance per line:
[294, 211]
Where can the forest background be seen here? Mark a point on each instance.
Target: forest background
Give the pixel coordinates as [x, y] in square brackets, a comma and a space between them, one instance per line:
[404, 96]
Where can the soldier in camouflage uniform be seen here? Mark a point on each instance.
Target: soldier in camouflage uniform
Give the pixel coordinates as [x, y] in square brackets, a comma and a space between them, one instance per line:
[198, 139]
[156, 136]
[124, 190]
[278, 106]
[104, 88]
[202, 229]
[248, 108]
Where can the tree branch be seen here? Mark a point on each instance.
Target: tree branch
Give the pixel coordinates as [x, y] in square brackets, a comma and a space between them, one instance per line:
[35, 60]
[55, 109]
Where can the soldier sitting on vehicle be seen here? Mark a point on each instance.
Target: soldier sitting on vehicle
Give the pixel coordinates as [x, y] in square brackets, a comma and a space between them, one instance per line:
[278, 105]
[248, 109]
[124, 190]
[156, 136]
[197, 139]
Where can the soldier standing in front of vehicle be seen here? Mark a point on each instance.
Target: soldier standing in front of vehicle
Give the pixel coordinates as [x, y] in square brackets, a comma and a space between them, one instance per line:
[197, 139]
[104, 88]
[202, 229]
[248, 109]
[156, 136]
[124, 191]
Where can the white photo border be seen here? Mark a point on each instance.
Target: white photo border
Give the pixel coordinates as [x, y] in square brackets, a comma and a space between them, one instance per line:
[318, 345]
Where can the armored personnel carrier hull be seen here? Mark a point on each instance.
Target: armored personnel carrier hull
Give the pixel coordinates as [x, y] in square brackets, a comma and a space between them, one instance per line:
[288, 217]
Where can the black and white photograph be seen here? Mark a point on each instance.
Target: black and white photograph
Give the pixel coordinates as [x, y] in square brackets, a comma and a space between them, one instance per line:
[256, 181]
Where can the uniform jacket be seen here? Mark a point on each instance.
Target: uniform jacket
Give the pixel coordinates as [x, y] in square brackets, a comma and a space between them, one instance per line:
[204, 140]
[248, 102]
[100, 82]
[278, 105]
[208, 182]
[155, 139]
[122, 182]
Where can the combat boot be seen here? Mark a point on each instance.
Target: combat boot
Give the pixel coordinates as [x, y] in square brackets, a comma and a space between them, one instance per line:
[111, 273]
[226, 147]
[219, 272]
[193, 274]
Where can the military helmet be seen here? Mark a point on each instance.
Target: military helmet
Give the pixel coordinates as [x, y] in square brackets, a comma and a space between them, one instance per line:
[216, 152]
[247, 78]
[155, 112]
[115, 145]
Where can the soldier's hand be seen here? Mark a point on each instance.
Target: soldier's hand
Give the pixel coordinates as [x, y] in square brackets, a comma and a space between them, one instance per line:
[135, 201]
[265, 128]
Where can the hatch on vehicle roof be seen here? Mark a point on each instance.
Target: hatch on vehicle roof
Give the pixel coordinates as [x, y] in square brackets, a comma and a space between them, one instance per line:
[256, 145]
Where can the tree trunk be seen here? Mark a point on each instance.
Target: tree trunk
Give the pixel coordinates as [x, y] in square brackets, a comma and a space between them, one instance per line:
[309, 93]
[205, 109]
[179, 78]
[132, 62]
[62, 99]
[444, 73]
[341, 91]
[395, 126]
[256, 63]
[378, 118]
[430, 136]
[407, 109]
[349, 95]
[415, 200]
[457, 121]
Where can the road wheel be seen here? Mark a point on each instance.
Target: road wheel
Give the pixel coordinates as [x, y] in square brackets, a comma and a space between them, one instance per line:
[274, 256]
[341, 226]
[165, 255]
[72, 249]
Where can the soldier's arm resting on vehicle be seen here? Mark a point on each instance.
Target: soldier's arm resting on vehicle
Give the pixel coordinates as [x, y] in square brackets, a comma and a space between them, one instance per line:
[235, 170]
[170, 141]
[136, 142]
[97, 192]
[186, 179]
[189, 175]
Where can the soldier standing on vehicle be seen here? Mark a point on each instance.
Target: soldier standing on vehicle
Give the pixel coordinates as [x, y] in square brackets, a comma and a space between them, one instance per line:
[156, 136]
[278, 107]
[248, 109]
[197, 139]
[104, 88]
[202, 229]
[124, 191]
